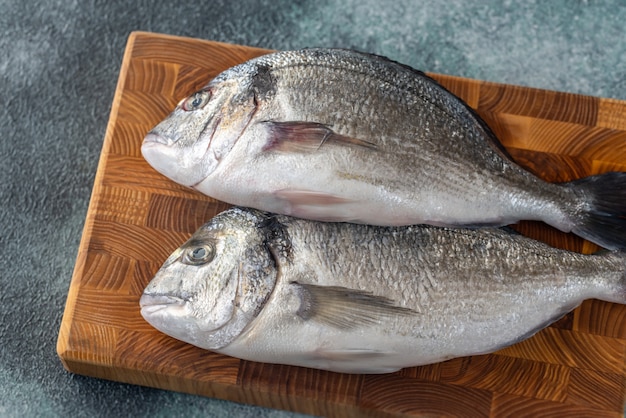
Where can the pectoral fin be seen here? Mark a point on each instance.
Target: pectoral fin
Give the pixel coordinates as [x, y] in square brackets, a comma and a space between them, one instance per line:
[307, 137]
[345, 308]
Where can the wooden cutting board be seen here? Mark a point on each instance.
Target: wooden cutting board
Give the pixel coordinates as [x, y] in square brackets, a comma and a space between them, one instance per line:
[137, 217]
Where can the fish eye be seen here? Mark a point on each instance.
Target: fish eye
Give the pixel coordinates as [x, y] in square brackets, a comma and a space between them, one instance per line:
[196, 101]
[199, 254]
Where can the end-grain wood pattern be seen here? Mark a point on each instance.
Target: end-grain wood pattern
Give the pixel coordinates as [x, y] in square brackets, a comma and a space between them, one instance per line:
[137, 217]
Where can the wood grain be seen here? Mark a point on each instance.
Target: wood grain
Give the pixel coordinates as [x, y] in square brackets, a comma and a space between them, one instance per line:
[137, 217]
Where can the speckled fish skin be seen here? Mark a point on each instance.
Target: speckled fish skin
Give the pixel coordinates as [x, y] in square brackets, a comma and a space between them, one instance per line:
[366, 299]
[336, 135]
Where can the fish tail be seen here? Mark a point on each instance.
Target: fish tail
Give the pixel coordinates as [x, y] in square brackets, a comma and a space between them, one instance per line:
[621, 287]
[615, 289]
[602, 218]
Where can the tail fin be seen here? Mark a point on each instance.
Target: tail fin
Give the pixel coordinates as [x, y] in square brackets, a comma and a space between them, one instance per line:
[603, 217]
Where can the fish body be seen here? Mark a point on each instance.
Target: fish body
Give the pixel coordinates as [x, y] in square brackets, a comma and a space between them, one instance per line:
[366, 299]
[337, 135]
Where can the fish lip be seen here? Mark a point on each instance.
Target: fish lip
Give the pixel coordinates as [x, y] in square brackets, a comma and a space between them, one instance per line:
[151, 303]
[154, 138]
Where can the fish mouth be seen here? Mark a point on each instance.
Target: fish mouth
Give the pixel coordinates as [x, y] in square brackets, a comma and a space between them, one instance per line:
[151, 304]
[153, 139]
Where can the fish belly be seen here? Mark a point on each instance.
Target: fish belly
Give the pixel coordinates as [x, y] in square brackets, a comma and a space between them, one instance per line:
[443, 329]
[379, 349]
[334, 189]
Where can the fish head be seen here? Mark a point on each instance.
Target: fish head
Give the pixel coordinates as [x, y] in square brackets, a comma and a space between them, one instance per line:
[189, 144]
[214, 285]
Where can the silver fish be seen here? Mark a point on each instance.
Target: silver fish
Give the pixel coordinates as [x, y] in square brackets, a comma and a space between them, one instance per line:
[366, 299]
[337, 135]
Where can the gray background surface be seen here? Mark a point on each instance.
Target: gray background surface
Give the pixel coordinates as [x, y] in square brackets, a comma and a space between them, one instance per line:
[59, 64]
